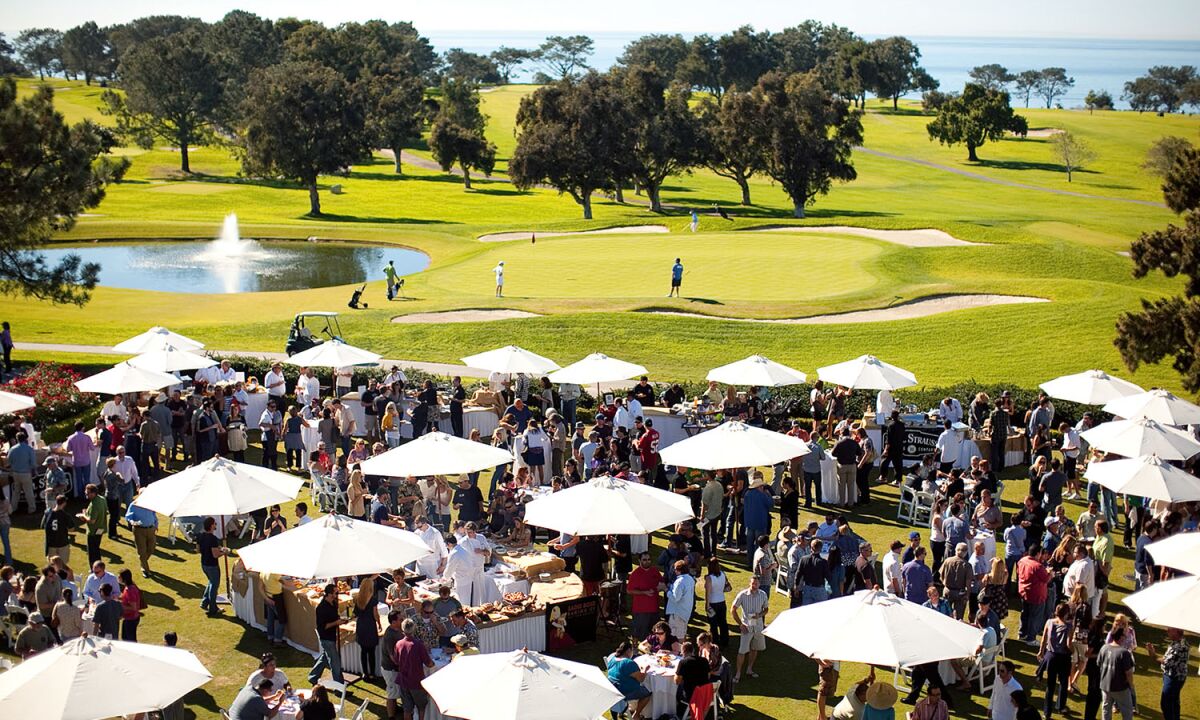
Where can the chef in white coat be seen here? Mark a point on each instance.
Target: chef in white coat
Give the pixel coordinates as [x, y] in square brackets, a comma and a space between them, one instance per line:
[432, 565]
[459, 569]
[480, 551]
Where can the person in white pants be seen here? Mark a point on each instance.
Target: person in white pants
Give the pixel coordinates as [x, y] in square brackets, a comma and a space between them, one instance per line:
[431, 565]
[458, 570]
[480, 551]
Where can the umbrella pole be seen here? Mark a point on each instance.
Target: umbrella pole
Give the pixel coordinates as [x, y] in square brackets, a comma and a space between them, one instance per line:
[228, 587]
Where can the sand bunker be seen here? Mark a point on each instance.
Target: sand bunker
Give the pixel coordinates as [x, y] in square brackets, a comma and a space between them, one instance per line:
[527, 234]
[463, 316]
[904, 311]
[1043, 132]
[909, 238]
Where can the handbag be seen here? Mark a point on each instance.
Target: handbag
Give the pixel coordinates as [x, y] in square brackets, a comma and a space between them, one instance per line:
[534, 455]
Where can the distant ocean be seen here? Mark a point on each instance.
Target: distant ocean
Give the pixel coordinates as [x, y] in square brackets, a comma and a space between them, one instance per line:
[1095, 64]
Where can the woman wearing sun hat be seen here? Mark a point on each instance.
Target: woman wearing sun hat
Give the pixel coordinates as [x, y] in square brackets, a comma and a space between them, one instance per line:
[881, 700]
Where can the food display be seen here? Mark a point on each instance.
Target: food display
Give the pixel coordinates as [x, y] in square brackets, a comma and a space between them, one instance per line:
[514, 605]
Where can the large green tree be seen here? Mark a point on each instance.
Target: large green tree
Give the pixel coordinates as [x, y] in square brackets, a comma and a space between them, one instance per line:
[173, 91]
[240, 43]
[41, 49]
[992, 76]
[125, 36]
[1054, 83]
[456, 137]
[1169, 327]
[729, 139]
[565, 56]
[566, 138]
[9, 64]
[659, 51]
[1163, 88]
[49, 173]
[662, 129]
[896, 69]
[700, 68]
[393, 112]
[746, 55]
[301, 120]
[86, 52]
[1026, 83]
[508, 60]
[472, 67]
[1163, 154]
[975, 117]
[806, 137]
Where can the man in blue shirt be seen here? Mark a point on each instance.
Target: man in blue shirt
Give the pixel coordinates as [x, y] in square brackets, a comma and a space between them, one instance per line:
[520, 413]
[22, 462]
[756, 512]
[677, 275]
[145, 537]
[917, 578]
[956, 529]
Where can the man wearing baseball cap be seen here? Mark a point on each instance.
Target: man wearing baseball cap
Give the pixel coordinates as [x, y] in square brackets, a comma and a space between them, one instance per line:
[35, 637]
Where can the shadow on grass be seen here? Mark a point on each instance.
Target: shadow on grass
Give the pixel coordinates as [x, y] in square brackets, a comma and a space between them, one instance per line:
[335, 217]
[203, 699]
[1030, 165]
[910, 111]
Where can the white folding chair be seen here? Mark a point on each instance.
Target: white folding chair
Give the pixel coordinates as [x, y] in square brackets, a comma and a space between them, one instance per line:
[984, 664]
[6, 664]
[922, 508]
[225, 714]
[714, 709]
[340, 689]
[361, 712]
[908, 501]
[902, 679]
[1002, 642]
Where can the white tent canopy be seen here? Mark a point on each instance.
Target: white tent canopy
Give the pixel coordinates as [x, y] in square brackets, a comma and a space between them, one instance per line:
[757, 370]
[1131, 438]
[14, 402]
[1159, 405]
[867, 372]
[334, 353]
[511, 359]
[1180, 551]
[155, 339]
[219, 487]
[733, 444]
[596, 368]
[874, 627]
[1169, 603]
[1090, 387]
[89, 678]
[335, 546]
[1147, 476]
[125, 378]
[436, 453]
[169, 359]
[607, 505]
[521, 685]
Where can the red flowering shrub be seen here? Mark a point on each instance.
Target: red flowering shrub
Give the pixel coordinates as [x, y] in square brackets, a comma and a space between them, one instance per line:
[52, 387]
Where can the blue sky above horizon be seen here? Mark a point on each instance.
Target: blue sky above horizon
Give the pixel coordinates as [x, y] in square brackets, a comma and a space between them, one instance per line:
[1150, 19]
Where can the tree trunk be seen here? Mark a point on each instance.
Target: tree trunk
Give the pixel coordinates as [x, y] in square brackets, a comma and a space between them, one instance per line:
[637, 189]
[87, 78]
[466, 177]
[586, 202]
[798, 209]
[971, 153]
[1068, 173]
[745, 186]
[184, 165]
[652, 192]
[314, 199]
[895, 102]
[396, 157]
[620, 194]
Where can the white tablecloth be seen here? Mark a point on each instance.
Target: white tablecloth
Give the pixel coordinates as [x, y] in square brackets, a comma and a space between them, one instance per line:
[669, 427]
[829, 484]
[256, 403]
[493, 591]
[474, 418]
[528, 631]
[661, 681]
[243, 609]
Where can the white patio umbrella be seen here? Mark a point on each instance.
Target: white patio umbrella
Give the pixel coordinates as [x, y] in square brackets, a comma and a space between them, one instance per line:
[757, 370]
[89, 678]
[1147, 476]
[1131, 438]
[219, 486]
[1169, 603]
[436, 453]
[1180, 551]
[333, 353]
[125, 378]
[169, 359]
[733, 444]
[1157, 404]
[606, 505]
[335, 546]
[596, 368]
[511, 359]
[521, 685]
[867, 372]
[1090, 387]
[876, 628]
[14, 402]
[154, 339]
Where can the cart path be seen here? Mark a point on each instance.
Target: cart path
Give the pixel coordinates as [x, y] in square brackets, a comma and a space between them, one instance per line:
[435, 368]
[999, 181]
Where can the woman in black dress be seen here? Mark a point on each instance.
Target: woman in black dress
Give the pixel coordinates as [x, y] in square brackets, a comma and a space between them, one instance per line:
[367, 627]
[427, 400]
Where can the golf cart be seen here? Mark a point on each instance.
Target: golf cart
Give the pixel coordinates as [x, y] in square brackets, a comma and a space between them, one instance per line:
[307, 329]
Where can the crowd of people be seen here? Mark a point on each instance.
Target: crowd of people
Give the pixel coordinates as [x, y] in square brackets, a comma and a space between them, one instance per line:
[1052, 568]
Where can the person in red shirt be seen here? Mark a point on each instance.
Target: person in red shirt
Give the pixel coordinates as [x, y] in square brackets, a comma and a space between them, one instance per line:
[643, 586]
[411, 659]
[116, 433]
[647, 446]
[1033, 582]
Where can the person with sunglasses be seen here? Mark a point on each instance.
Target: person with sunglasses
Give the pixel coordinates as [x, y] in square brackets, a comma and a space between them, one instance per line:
[271, 425]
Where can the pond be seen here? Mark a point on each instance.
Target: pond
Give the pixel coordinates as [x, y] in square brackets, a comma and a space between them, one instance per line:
[239, 266]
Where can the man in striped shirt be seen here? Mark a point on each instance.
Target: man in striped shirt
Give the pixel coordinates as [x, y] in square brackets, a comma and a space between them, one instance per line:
[750, 612]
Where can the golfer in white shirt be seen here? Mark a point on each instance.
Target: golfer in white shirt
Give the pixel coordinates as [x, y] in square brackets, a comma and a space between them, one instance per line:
[499, 270]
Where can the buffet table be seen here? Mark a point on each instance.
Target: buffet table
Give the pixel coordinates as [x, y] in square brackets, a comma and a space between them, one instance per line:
[534, 563]
[1014, 449]
[669, 425]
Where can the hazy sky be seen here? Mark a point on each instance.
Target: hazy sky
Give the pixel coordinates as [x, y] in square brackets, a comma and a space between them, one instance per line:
[1149, 19]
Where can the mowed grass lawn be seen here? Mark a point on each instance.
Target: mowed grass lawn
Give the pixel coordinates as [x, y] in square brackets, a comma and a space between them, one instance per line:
[785, 690]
